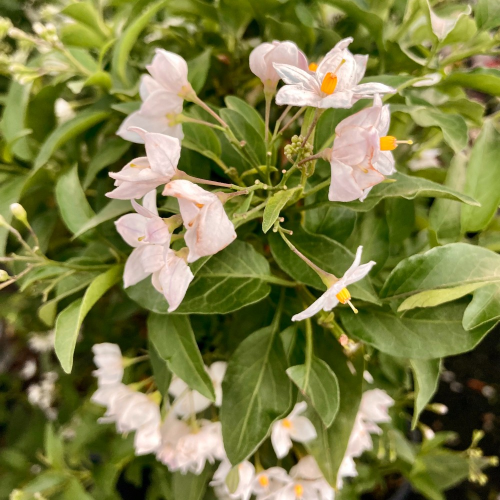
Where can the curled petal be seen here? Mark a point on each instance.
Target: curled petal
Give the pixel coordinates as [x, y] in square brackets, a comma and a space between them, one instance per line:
[294, 95]
[313, 309]
[134, 270]
[175, 278]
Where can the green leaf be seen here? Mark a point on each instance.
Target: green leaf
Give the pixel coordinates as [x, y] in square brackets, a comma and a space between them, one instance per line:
[426, 379]
[274, 206]
[198, 70]
[336, 222]
[85, 13]
[248, 112]
[201, 139]
[483, 308]
[48, 480]
[487, 14]
[129, 37]
[173, 338]
[111, 211]
[72, 203]
[445, 468]
[191, 486]
[70, 319]
[325, 253]
[257, 392]
[320, 386]
[230, 280]
[444, 216]
[110, 152]
[54, 449]
[449, 266]
[62, 134]
[162, 374]
[330, 445]
[418, 334]
[483, 179]
[483, 80]
[244, 131]
[10, 192]
[79, 35]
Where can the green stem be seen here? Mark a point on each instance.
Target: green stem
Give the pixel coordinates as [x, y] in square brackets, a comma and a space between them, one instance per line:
[280, 119]
[278, 281]
[317, 114]
[209, 110]
[292, 119]
[309, 349]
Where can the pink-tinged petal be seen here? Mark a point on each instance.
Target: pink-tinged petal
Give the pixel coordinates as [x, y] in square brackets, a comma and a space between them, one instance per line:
[282, 53]
[152, 258]
[175, 278]
[352, 146]
[343, 186]
[149, 202]
[361, 62]
[147, 86]
[135, 119]
[385, 163]
[366, 118]
[131, 169]
[163, 154]
[341, 99]
[258, 65]
[189, 191]
[132, 228]
[368, 90]
[134, 270]
[344, 43]
[160, 103]
[169, 69]
[292, 75]
[157, 232]
[211, 232]
[302, 430]
[147, 439]
[127, 190]
[294, 95]
[313, 309]
[385, 119]
[158, 124]
[366, 178]
[366, 192]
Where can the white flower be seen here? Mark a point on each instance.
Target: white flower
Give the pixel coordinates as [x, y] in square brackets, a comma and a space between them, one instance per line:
[172, 430]
[208, 228]
[28, 370]
[265, 55]
[429, 80]
[171, 72]
[361, 155]
[109, 361]
[42, 342]
[294, 427]
[246, 476]
[146, 173]
[338, 291]
[63, 110]
[334, 84]
[190, 402]
[157, 113]
[269, 482]
[42, 394]
[443, 26]
[426, 159]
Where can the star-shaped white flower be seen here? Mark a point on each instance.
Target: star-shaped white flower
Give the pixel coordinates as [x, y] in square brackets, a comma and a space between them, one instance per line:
[208, 228]
[294, 427]
[146, 173]
[246, 476]
[337, 292]
[265, 55]
[334, 83]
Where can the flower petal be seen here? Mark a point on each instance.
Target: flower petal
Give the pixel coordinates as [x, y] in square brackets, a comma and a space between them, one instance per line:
[313, 309]
[132, 228]
[175, 278]
[134, 270]
[343, 186]
[163, 153]
[169, 69]
[280, 439]
[294, 95]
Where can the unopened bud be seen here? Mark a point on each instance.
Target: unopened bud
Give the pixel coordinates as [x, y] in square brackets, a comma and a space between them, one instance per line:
[4, 276]
[19, 213]
[438, 408]
[46, 32]
[5, 26]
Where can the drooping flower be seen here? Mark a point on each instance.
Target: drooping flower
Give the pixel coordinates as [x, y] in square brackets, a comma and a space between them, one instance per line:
[338, 292]
[189, 402]
[158, 112]
[333, 84]
[246, 476]
[146, 173]
[109, 361]
[265, 55]
[269, 482]
[361, 156]
[294, 427]
[208, 228]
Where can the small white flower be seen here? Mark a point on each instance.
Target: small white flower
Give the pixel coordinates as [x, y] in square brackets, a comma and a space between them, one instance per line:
[63, 110]
[42, 394]
[246, 476]
[334, 83]
[294, 427]
[109, 361]
[268, 482]
[172, 430]
[28, 370]
[338, 293]
[429, 158]
[42, 342]
[189, 402]
[146, 173]
[266, 54]
[208, 228]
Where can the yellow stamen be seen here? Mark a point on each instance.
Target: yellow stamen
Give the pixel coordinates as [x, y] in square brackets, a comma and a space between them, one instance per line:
[287, 424]
[389, 143]
[329, 83]
[344, 296]
[199, 205]
[299, 490]
[313, 66]
[264, 481]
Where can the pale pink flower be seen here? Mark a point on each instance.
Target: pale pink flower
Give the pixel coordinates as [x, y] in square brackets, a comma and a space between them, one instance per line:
[361, 155]
[146, 173]
[266, 54]
[338, 292]
[208, 228]
[334, 83]
[294, 427]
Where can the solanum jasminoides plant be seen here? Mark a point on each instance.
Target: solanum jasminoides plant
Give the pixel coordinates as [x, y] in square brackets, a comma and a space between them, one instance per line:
[266, 224]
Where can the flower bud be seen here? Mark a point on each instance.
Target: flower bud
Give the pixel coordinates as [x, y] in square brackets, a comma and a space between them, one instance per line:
[5, 26]
[4, 276]
[438, 408]
[19, 213]
[46, 32]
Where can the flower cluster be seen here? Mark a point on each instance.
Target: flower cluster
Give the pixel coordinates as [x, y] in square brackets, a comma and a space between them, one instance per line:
[186, 443]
